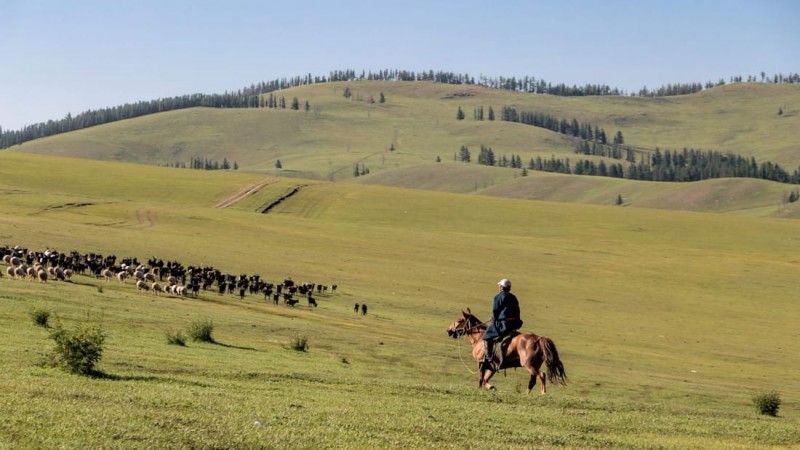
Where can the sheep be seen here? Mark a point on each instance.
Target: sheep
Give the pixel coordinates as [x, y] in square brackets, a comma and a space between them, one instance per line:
[139, 275]
[108, 273]
[67, 274]
[42, 275]
[15, 261]
[31, 272]
[122, 276]
[156, 288]
[150, 277]
[180, 291]
[59, 274]
[10, 271]
[7, 259]
[141, 285]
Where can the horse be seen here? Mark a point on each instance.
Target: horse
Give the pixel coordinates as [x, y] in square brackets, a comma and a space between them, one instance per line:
[518, 350]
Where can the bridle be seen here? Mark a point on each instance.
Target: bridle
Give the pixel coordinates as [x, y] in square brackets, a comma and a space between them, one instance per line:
[465, 331]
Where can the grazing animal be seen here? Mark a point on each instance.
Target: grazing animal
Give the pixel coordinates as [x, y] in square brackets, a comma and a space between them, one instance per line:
[355, 308]
[142, 286]
[42, 276]
[10, 271]
[122, 276]
[312, 301]
[363, 309]
[519, 350]
[156, 287]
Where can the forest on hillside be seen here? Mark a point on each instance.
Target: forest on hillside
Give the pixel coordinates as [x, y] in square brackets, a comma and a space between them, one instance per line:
[252, 96]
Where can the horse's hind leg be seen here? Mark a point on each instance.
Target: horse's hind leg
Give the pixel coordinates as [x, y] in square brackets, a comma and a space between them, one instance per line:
[531, 384]
[543, 388]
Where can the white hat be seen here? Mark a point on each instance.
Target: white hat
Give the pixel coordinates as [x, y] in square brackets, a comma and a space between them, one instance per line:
[505, 283]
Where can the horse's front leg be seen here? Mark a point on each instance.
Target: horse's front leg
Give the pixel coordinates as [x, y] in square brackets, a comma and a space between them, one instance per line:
[485, 372]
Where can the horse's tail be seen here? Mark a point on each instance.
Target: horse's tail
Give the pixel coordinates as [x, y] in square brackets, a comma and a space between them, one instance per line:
[555, 369]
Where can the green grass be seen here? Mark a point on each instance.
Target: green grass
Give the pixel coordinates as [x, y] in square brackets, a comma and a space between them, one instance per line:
[668, 322]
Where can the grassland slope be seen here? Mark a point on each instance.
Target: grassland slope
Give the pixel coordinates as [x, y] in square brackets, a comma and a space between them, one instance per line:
[667, 321]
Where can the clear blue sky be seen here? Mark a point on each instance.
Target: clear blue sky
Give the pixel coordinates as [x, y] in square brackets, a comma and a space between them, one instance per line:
[63, 56]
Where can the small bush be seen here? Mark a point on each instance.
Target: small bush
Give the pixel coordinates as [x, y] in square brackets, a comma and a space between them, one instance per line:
[40, 317]
[201, 330]
[175, 338]
[77, 350]
[99, 288]
[299, 343]
[767, 403]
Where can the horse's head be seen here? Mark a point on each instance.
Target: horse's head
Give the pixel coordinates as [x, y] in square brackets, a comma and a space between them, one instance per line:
[463, 325]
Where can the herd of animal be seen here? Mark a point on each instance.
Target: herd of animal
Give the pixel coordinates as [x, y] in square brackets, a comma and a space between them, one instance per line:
[156, 275]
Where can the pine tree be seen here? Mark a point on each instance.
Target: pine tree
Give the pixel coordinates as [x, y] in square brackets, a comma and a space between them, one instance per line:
[295, 104]
[459, 114]
[491, 113]
[278, 164]
[382, 98]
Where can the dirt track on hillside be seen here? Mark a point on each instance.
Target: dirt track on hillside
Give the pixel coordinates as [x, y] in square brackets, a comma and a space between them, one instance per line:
[246, 192]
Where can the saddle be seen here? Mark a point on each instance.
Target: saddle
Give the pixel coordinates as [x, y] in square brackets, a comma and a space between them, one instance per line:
[499, 355]
[503, 347]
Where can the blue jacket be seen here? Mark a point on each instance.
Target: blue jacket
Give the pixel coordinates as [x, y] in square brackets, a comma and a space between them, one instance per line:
[505, 316]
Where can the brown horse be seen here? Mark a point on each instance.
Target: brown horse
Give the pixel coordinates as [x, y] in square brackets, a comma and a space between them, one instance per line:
[520, 350]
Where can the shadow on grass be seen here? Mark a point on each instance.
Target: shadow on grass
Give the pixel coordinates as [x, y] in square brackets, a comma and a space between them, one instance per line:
[238, 347]
[100, 375]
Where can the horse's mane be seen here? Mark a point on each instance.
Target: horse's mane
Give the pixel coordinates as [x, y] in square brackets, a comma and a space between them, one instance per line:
[471, 319]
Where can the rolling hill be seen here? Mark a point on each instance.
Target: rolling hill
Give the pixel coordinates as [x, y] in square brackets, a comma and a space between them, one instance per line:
[399, 141]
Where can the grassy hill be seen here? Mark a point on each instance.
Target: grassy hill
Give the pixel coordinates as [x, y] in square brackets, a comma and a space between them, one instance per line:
[668, 322]
[418, 122]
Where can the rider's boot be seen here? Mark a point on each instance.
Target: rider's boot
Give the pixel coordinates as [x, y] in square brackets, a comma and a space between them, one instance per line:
[488, 348]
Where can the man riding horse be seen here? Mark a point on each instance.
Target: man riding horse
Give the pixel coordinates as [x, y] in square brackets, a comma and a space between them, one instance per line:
[504, 321]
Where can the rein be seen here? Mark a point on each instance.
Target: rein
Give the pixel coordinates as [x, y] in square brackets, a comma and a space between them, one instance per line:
[461, 357]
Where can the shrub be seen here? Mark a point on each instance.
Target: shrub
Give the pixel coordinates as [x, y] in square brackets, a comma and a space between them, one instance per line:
[99, 288]
[40, 317]
[78, 350]
[201, 330]
[299, 343]
[767, 403]
[175, 338]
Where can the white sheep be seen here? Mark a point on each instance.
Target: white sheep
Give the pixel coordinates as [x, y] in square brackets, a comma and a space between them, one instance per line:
[42, 276]
[67, 274]
[156, 288]
[20, 272]
[10, 271]
[122, 276]
[149, 277]
[108, 273]
[142, 286]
